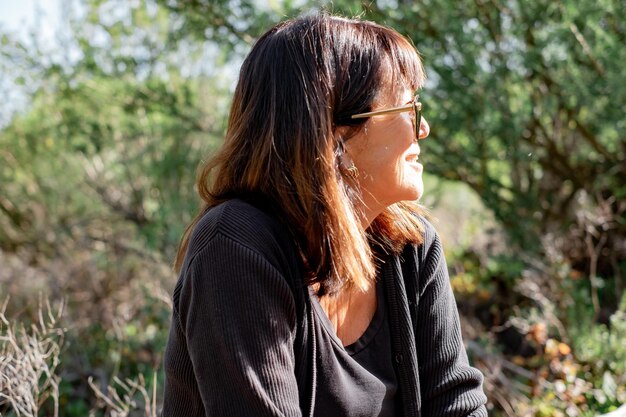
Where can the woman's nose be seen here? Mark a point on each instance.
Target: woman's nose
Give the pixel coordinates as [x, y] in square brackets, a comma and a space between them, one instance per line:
[424, 129]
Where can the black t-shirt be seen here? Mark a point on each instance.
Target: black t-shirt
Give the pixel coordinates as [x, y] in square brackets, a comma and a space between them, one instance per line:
[359, 379]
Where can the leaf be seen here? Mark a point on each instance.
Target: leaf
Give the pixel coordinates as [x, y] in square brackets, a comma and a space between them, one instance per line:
[609, 386]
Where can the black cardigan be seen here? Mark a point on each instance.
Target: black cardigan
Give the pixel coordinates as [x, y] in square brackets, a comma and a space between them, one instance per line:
[241, 341]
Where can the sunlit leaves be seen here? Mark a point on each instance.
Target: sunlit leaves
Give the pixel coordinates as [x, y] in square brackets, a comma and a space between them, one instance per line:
[115, 134]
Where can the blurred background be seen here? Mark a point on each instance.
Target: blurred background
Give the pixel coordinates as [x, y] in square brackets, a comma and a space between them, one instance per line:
[108, 106]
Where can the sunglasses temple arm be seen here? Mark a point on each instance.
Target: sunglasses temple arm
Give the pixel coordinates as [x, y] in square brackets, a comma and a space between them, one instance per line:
[381, 112]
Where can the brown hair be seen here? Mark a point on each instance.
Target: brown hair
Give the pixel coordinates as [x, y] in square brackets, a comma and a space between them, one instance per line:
[302, 79]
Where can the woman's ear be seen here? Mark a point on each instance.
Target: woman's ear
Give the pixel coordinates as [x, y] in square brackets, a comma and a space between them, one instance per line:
[342, 133]
[346, 164]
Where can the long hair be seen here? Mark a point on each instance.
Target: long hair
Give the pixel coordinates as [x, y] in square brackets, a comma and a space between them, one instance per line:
[302, 79]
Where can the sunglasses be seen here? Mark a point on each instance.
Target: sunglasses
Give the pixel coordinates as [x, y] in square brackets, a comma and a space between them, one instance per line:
[414, 106]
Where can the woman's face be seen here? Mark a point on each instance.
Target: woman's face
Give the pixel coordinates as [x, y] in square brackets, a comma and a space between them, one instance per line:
[386, 151]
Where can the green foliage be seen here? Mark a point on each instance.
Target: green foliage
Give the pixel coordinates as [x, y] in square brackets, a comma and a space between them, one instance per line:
[109, 140]
[227, 22]
[594, 379]
[602, 346]
[542, 319]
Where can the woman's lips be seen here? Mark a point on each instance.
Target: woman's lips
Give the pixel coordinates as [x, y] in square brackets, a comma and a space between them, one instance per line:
[412, 158]
[416, 165]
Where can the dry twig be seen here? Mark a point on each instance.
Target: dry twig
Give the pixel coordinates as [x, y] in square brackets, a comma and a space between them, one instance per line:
[121, 399]
[28, 361]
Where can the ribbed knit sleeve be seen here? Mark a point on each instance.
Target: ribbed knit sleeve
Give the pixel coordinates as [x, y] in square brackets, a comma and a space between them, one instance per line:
[232, 336]
[449, 386]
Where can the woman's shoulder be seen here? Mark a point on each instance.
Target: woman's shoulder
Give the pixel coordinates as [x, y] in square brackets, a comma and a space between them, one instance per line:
[248, 223]
[231, 217]
[430, 241]
[429, 231]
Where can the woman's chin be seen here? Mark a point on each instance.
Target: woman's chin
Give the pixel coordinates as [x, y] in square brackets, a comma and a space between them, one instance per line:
[415, 193]
[417, 189]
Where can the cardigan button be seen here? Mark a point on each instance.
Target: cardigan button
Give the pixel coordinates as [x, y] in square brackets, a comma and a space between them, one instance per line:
[399, 358]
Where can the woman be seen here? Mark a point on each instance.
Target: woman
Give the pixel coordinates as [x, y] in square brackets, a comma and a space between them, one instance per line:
[310, 284]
